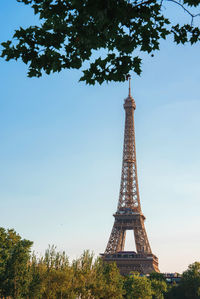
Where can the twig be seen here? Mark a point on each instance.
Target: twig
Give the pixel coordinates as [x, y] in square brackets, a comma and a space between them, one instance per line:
[185, 9]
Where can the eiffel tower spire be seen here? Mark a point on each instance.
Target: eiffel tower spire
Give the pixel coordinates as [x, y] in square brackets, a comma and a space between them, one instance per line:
[129, 89]
[129, 215]
[129, 190]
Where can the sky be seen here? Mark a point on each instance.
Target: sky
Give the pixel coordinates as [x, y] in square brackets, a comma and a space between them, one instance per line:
[61, 147]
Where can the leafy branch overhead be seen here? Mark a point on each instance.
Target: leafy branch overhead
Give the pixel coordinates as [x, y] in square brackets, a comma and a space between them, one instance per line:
[104, 33]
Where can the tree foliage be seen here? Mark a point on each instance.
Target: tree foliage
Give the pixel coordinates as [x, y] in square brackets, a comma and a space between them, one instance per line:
[52, 276]
[189, 287]
[14, 258]
[105, 33]
[138, 287]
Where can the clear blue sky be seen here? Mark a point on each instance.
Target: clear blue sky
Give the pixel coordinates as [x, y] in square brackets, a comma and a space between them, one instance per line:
[61, 150]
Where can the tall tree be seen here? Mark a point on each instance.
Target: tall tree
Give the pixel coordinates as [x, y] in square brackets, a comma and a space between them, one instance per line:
[95, 279]
[107, 33]
[189, 286]
[158, 285]
[137, 287]
[14, 259]
[112, 286]
[190, 282]
[56, 275]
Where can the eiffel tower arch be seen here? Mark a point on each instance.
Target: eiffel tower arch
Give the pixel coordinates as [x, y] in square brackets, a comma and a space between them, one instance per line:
[129, 214]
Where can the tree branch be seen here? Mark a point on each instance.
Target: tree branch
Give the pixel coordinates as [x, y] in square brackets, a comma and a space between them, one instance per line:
[185, 9]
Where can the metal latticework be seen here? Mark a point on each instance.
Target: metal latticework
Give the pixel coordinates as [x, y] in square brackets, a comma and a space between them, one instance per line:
[129, 192]
[129, 215]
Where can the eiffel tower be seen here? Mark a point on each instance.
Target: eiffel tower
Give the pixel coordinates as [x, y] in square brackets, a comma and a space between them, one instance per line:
[129, 214]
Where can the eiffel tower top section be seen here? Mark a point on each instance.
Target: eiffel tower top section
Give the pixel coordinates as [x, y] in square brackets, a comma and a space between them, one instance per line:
[129, 200]
[129, 101]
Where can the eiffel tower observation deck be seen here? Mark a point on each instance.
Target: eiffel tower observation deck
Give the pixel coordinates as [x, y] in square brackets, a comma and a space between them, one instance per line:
[129, 214]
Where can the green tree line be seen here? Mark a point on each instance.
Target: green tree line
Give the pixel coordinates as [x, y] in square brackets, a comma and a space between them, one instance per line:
[52, 276]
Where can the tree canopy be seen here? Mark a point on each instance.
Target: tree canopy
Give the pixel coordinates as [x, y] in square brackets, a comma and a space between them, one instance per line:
[189, 287]
[52, 276]
[105, 37]
[14, 257]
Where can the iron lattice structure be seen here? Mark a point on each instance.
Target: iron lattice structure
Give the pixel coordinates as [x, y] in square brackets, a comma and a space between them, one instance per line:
[129, 215]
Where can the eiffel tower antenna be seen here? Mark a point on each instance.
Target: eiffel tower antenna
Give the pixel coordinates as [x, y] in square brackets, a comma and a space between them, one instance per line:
[129, 89]
[129, 214]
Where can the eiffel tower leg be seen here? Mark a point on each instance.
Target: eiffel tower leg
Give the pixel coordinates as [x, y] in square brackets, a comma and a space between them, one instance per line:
[123, 238]
[141, 240]
[116, 241]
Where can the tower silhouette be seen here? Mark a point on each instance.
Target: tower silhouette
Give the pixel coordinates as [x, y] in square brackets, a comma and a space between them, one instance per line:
[129, 214]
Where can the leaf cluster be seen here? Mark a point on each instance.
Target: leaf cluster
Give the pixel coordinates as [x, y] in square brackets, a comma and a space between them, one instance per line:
[106, 33]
